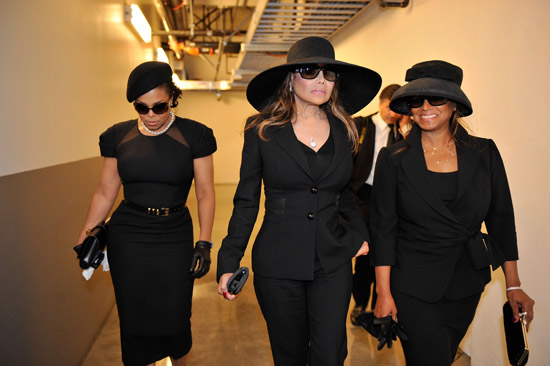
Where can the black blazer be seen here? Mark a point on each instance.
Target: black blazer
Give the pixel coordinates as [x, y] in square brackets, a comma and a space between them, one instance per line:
[363, 160]
[301, 214]
[437, 250]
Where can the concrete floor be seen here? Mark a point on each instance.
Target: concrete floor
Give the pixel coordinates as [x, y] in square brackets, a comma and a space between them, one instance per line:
[234, 333]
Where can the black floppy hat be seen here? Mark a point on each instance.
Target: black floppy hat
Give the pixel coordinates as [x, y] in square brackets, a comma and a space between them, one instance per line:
[147, 76]
[357, 85]
[432, 78]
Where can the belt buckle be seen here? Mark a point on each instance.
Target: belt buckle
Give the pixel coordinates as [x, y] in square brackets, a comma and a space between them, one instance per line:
[164, 211]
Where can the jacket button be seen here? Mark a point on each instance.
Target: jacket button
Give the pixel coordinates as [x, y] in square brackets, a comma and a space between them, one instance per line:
[314, 190]
[311, 216]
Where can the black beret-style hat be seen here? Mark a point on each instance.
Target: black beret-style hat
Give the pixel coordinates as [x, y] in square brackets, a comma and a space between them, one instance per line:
[432, 78]
[146, 77]
[357, 85]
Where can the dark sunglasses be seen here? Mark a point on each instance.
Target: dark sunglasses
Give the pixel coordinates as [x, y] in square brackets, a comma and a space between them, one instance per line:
[416, 102]
[160, 108]
[310, 72]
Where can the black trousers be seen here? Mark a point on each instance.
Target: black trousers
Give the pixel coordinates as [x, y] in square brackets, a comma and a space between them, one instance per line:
[363, 276]
[306, 320]
[363, 279]
[434, 330]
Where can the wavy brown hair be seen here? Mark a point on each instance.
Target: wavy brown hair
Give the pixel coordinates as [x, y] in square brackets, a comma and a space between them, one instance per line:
[281, 108]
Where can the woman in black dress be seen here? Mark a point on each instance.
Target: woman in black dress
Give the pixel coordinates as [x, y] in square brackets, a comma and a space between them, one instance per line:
[153, 263]
[432, 192]
[300, 146]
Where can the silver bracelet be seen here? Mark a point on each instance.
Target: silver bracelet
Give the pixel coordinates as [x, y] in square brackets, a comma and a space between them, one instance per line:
[513, 288]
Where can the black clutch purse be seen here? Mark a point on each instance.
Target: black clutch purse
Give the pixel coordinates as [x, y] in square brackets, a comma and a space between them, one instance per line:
[90, 252]
[237, 280]
[516, 337]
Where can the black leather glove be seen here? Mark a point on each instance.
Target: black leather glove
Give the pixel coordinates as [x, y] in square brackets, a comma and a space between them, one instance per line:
[389, 331]
[201, 256]
[384, 329]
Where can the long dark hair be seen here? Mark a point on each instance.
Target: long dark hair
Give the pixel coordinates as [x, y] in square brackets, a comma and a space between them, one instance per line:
[281, 108]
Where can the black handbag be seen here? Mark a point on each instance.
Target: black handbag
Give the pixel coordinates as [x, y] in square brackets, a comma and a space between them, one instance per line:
[516, 337]
[90, 251]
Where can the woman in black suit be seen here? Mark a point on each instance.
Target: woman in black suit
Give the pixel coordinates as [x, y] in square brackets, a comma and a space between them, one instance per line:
[431, 194]
[300, 146]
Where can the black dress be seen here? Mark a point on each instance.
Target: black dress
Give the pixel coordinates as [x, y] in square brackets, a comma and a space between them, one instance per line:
[150, 256]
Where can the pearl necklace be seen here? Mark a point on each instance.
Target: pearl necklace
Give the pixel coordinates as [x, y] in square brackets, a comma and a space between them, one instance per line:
[441, 153]
[172, 119]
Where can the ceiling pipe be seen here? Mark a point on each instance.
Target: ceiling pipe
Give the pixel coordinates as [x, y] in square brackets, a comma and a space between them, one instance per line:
[394, 4]
[172, 41]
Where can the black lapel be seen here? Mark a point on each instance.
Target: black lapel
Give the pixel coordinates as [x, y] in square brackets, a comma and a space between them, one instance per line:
[468, 159]
[285, 137]
[414, 166]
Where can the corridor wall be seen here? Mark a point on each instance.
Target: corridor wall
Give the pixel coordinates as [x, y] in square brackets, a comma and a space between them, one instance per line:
[503, 47]
[63, 68]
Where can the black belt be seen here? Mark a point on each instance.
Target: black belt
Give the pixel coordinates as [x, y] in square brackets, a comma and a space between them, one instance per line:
[162, 211]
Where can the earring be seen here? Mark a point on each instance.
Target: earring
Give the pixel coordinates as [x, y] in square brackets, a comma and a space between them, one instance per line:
[290, 88]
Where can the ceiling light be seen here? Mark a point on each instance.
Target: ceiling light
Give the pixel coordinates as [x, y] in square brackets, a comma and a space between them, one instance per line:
[161, 55]
[139, 22]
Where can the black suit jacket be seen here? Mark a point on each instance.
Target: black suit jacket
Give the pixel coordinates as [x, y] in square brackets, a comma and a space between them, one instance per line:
[363, 160]
[302, 214]
[423, 239]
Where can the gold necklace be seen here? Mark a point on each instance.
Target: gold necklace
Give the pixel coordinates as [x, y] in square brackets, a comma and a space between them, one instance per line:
[439, 154]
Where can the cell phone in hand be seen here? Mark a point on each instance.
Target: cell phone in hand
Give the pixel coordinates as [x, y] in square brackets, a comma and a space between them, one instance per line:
[237, 280]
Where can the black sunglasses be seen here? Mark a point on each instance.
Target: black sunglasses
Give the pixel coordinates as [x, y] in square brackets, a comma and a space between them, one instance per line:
[310, 72]
[416, 102]
[160, 108]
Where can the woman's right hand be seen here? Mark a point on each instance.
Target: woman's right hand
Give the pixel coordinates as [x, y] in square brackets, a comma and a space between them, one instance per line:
[222, 287]
[385, 305]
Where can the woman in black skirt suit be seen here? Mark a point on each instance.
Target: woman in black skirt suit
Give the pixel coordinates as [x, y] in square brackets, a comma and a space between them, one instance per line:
[431, 194]
[300, 147]
[153, 262]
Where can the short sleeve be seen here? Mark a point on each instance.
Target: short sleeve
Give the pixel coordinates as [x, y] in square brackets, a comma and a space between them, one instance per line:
[107, 143]
[204, 142]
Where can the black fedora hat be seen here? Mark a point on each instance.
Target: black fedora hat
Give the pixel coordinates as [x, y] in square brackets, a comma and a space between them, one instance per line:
[432, 78]
[357, 85]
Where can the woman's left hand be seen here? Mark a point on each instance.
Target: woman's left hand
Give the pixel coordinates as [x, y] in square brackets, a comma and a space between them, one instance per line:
[222, 287]
[364, 250]
[519, 300]
[200, 263]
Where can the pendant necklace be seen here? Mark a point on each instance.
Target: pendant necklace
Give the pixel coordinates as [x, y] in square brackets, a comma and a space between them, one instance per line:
[312, 141]
[433, 152]
[172, 119]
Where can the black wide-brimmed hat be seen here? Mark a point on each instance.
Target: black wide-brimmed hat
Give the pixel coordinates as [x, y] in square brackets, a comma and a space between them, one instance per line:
[357, 85]
[146, 77]
[432, 78]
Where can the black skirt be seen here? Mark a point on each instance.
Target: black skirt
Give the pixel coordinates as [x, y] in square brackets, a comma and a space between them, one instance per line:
[150, 257]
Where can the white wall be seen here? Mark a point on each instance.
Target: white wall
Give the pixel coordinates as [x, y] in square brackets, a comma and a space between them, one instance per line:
[503, 47]
[64, 68]
[226, 117]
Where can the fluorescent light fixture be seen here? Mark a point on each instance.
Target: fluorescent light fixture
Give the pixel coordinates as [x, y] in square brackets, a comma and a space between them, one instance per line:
[161, 55]
[139, 22]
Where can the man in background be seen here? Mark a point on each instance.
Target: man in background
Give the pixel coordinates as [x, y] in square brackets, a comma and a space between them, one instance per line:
[376, 131]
